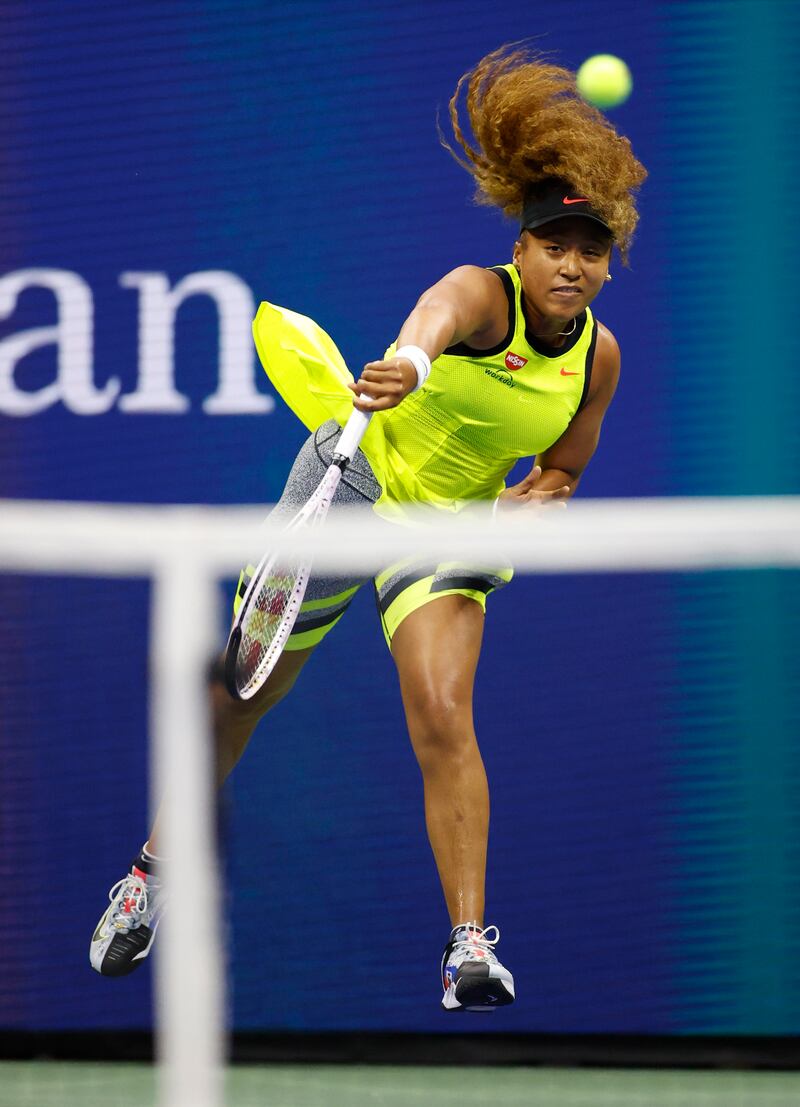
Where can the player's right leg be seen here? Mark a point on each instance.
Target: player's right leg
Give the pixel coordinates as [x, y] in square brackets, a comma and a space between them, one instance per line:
[124, 936]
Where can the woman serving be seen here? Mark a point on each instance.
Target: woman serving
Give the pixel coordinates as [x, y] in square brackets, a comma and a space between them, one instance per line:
[492, 365]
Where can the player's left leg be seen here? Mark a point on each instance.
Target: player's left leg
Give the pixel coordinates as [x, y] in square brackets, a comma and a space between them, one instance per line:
[436, 650]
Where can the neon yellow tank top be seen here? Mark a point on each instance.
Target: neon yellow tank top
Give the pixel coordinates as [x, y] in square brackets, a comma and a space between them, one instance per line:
[480, 411]
[454, 440]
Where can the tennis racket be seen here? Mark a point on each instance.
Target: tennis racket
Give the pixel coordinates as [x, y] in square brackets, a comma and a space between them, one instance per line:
[272, 601]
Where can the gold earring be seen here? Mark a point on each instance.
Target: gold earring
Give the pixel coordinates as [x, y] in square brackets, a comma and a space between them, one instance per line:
[608, 276]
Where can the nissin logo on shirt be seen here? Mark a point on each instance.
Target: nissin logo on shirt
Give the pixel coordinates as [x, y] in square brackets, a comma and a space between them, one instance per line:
[515, 361]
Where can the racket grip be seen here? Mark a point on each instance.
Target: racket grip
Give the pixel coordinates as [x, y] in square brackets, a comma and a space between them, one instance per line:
[352, 434]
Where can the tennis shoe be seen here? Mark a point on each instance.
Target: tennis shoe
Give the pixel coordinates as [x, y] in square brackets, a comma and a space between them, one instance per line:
[472, 977]
[125, 933]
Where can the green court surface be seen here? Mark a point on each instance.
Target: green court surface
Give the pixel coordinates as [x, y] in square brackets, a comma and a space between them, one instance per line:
[70, 1084]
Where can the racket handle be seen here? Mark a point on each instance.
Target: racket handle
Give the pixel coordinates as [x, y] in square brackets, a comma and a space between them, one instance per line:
[352, 434]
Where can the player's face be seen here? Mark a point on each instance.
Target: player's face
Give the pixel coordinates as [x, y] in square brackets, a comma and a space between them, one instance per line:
[563, 265]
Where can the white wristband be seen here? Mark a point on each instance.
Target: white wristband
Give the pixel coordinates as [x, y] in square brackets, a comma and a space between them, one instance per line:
[419, 359]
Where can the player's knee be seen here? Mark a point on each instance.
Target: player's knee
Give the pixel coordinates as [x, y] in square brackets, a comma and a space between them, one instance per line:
[440, 726]
[276, 686]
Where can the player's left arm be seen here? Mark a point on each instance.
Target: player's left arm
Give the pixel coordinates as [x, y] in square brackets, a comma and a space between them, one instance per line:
[557, 471]
[564, 462]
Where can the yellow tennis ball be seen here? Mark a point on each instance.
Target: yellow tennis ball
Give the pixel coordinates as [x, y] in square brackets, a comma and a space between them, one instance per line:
[604, 80]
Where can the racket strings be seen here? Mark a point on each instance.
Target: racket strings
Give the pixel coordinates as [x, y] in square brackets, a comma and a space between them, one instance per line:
[272, 602]
[266, 618]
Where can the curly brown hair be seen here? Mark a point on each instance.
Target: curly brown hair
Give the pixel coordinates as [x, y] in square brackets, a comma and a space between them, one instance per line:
[530, 124]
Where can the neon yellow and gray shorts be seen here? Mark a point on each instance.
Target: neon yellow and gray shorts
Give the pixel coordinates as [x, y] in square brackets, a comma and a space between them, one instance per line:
[399, 590]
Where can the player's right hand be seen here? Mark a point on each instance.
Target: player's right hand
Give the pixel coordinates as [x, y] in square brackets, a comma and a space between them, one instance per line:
[383, 384]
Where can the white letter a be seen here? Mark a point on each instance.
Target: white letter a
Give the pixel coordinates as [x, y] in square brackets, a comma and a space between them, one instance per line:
[72, 337]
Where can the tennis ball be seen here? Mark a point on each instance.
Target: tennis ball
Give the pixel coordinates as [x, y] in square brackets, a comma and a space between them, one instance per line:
[604, 80]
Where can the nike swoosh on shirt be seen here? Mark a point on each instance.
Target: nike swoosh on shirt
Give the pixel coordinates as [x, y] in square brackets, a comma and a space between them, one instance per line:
[568, 373]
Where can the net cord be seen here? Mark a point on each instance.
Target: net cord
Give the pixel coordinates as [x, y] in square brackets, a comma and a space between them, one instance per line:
[636, 535]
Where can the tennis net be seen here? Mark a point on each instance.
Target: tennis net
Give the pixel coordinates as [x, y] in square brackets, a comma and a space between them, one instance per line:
[705, 592]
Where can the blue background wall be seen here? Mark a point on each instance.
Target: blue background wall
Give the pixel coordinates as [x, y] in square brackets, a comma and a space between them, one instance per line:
[640, 732]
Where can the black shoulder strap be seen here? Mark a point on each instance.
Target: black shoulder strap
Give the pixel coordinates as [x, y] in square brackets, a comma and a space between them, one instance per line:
[587, 369]
[462, 349]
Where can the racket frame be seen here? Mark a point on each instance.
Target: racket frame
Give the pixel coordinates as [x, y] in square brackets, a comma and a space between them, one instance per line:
[313, 514]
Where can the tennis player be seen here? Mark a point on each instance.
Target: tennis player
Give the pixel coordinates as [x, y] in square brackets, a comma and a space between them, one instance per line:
[492, 365]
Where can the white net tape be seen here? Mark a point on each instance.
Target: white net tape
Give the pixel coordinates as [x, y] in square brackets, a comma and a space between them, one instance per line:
[186, 549]
[601, 535]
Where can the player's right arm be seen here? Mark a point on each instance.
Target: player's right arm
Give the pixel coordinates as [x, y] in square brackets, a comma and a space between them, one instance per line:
[467, 305]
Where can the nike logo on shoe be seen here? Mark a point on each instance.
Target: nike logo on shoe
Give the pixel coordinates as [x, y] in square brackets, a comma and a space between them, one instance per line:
[98, 934]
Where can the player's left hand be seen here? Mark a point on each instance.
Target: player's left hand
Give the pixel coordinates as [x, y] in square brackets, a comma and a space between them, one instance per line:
[383, 384]
[525, 494]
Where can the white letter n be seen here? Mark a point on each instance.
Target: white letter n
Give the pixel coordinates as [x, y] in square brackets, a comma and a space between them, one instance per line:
[158, 304]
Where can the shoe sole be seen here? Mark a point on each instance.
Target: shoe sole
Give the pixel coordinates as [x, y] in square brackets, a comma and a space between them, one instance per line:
[475, 990]
[124, 968]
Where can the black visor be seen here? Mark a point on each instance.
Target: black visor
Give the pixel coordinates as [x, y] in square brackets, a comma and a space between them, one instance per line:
[553, 199]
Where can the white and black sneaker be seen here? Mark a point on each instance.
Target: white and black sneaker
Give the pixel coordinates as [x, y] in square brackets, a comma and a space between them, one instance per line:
[125, 933]
[472, 977]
